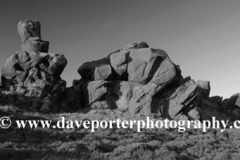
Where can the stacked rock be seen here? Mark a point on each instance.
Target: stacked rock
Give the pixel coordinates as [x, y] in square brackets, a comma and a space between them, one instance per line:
[33, 72]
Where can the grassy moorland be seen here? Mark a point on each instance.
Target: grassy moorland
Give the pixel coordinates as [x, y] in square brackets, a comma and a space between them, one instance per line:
[112, 144]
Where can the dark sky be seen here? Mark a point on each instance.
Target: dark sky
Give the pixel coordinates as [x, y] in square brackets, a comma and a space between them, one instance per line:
[202, 36]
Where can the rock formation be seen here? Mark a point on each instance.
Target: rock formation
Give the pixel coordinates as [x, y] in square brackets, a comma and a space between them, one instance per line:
[143, 80]
[33, 72]
[30, 33]
[135, 79]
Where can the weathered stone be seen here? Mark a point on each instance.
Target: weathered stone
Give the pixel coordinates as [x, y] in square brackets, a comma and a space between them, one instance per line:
[232, 102]
[143, 66]
[32, 73]
[30, 33]
[138, 74]
[96, 70]
[119, 62]
[141, 101]
[182, 99]
[29, 28]
[93, 91]
[167, 72]
[132, 97]
[119, 94]
[136, 45]
[35, 44]
[194, 114]
[217, 99]
[205, 85]
[135, 79]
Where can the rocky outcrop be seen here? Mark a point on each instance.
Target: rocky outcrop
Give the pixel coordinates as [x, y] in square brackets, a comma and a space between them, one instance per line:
[32, 72]
[135, 79]
[128, 79]
[142, 80]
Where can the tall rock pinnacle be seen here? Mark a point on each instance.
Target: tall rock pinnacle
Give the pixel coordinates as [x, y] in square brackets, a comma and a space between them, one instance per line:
[30, 33]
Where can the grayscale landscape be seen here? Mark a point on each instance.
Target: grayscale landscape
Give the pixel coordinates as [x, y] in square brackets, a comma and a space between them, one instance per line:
[133, 81]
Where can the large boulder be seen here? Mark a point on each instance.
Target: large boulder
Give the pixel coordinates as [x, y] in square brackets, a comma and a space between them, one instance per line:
[96, 70]
[135, 63]
[131, 96]
[190, 101]
[182, 100]
[94, 92]
[144, 65]
[120, 93]
[142, 99]
[129, 79]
